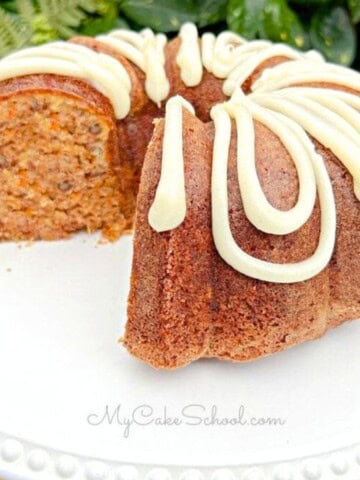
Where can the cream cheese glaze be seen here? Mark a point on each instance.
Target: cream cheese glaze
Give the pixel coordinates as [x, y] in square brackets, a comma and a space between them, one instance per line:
[306, 71]
[189, 56]
[168, 210]
[243, 113]
[69, 59]
[312, 174]
[229, 56]
[145, 50]
[292, 112]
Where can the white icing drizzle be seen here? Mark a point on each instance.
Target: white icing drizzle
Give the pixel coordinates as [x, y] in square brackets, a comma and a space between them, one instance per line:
[330, 110]
[189, 56]
[291, 112]
[208, 41]
[305, 71]
[223, 238]
[257, 208]
[344, 104]
[145, 50]
[229, 56]
[69, 59]
[168, 210]
[329, 115]
[248, 65]
[330, 132]
[218, 53]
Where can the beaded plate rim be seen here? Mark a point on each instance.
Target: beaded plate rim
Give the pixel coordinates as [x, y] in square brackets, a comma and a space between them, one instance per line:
[21, 459]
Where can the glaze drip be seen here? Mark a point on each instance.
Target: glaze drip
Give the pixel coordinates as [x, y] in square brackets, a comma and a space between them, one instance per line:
[292, 114]
[168, 210]
[229, 56]
[189, 56]
[257, 208]
[69, 59]
[304, 155]
[323, 123]
[145, 50]
[306, 71]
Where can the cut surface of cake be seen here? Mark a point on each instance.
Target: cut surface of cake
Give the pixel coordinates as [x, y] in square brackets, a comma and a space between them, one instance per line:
[243, 160]
[59, 161]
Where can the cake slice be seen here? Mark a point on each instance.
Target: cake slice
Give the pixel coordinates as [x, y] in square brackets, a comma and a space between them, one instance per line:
[59, 160]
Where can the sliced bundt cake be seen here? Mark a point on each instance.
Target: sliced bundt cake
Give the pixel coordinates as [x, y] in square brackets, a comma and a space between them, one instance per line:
[247, 217]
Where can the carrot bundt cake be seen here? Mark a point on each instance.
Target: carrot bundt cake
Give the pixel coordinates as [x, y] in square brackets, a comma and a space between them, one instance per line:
[244, 158]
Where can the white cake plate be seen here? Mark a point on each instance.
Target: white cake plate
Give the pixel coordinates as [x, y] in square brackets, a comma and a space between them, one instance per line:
[62, 311]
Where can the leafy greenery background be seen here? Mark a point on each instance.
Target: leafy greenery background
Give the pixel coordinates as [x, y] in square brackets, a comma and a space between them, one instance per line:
[331, 26]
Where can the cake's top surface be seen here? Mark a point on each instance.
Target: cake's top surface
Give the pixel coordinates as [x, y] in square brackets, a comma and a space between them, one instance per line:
[227, 56]
[299, 97]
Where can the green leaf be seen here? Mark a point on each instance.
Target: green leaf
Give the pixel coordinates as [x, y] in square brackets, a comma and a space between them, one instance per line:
[104, 7]
[311, 3]
[244, 16]
[354, 6]
[89, 6]
[59, 18]
[332, 33]
[160, 15]
[72, 18]
[211, 11]
[42, 31]
[8, 6]
[14, 32]
[25, 9]
[281, 24]
[96, 26]
[121, 23]
[106, 19]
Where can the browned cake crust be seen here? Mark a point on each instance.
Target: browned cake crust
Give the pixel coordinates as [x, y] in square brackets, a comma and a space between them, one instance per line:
[186, 302]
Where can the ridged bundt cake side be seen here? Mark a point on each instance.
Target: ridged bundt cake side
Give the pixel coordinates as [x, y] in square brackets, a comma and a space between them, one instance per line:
[307, 284]
[186, 302]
